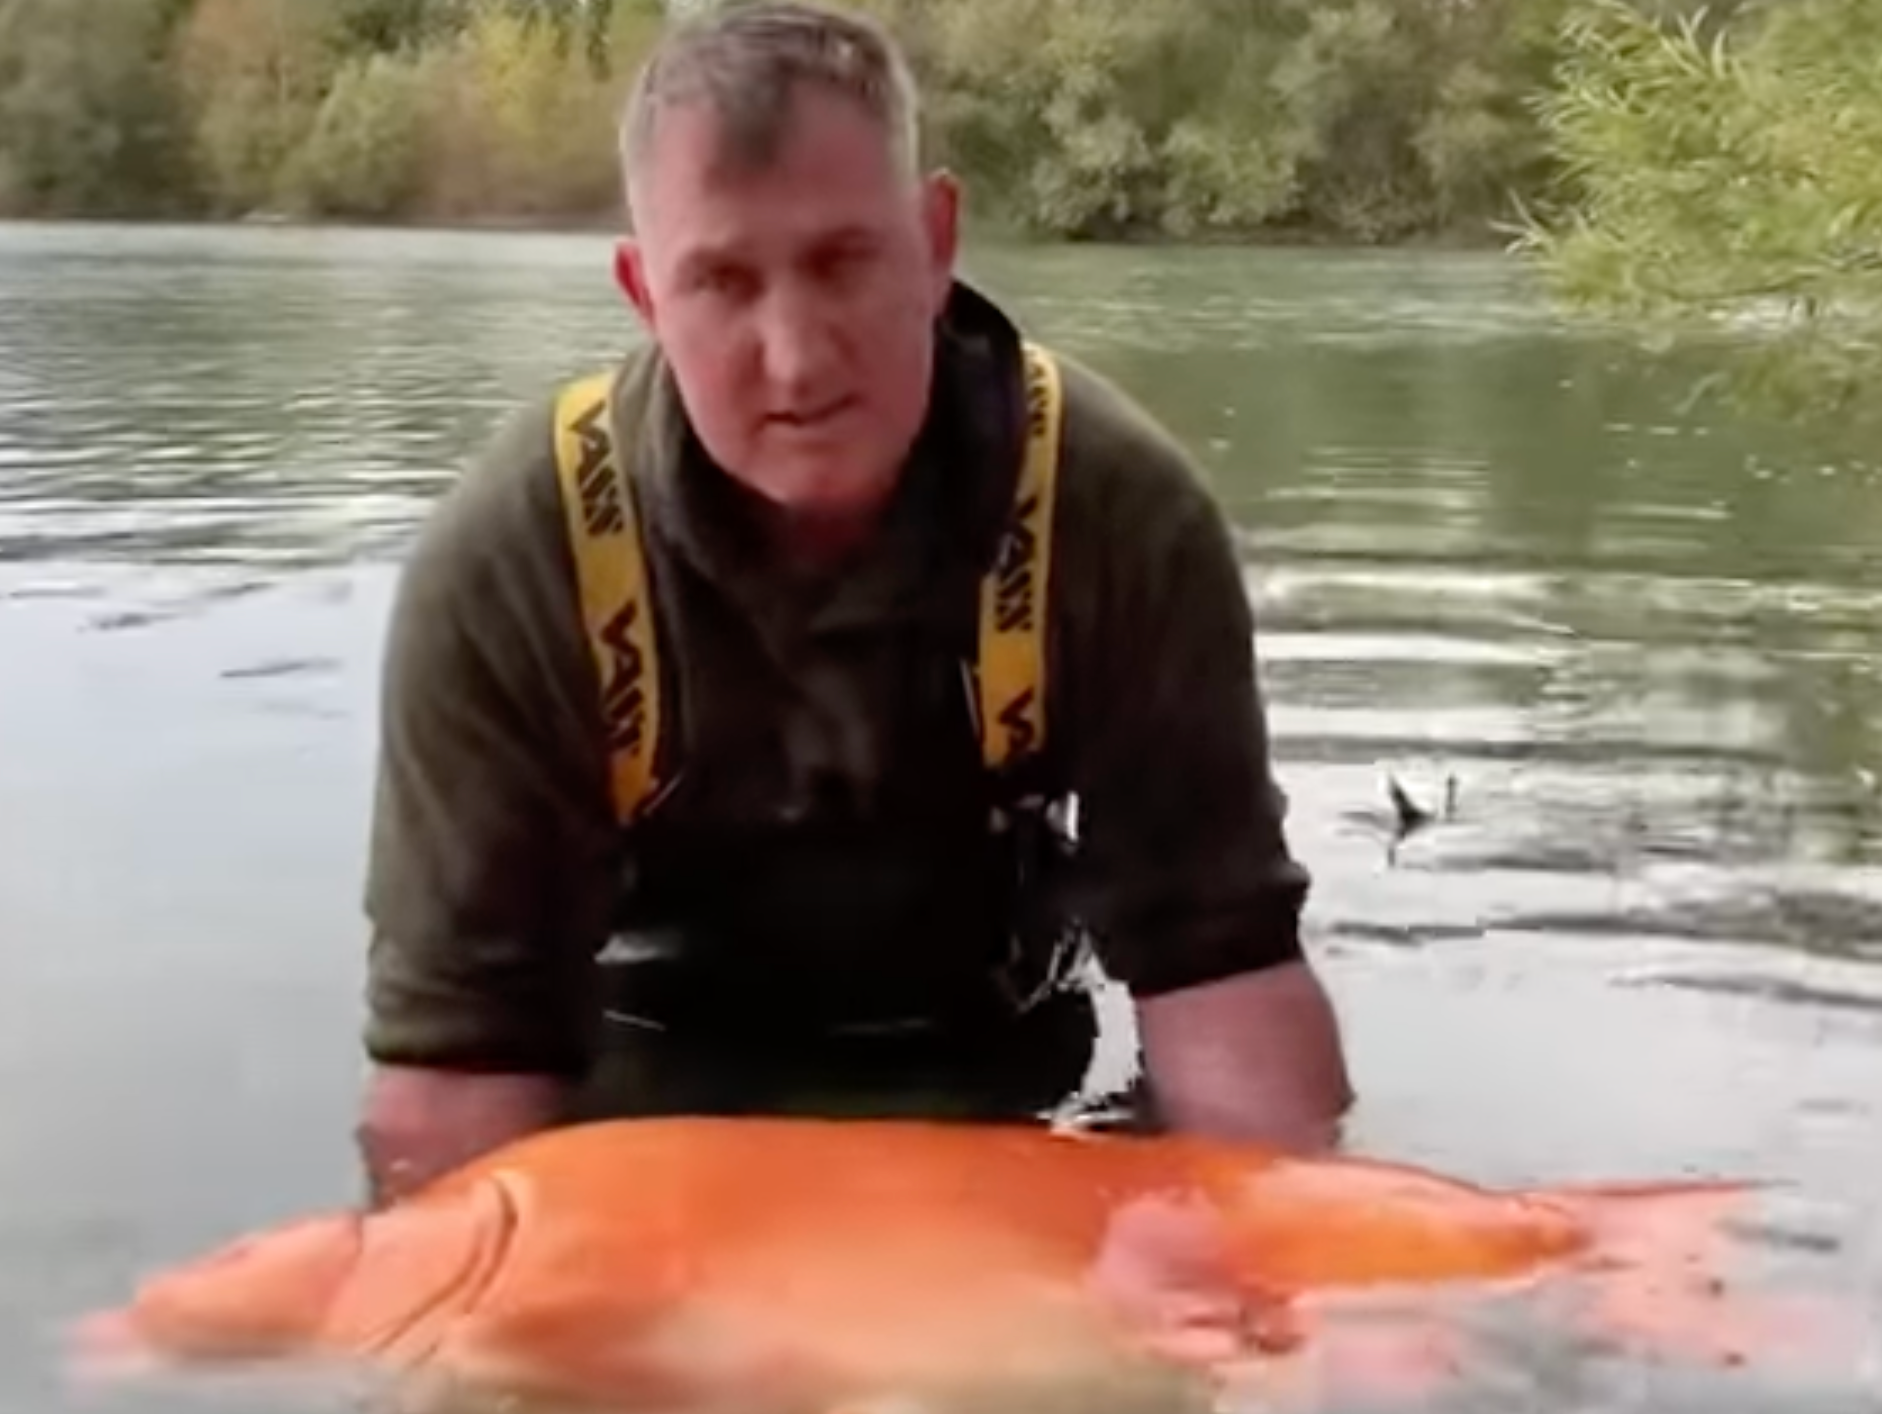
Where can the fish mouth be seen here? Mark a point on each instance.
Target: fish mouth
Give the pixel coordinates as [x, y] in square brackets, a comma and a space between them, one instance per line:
[450, 1249]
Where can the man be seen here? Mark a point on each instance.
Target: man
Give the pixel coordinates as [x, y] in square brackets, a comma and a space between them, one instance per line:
[830, 903]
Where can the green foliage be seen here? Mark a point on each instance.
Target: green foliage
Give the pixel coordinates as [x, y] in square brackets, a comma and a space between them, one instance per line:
[1419, 112]
[256, 72]
[1200, 119]
[383, 26]
[362, 157]
[1726, 180]
[520, 124]
[89, 119]
[1362, 119]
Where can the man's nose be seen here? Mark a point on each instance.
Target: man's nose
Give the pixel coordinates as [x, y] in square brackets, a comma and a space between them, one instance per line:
[799, 340]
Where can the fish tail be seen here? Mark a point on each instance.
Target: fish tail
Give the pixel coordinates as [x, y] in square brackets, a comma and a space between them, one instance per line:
[1667, 1275]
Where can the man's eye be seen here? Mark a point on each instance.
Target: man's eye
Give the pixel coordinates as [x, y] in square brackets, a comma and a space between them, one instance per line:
[725, 281]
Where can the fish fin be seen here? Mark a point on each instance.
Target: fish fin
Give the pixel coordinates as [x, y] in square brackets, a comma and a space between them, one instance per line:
[107, 1351]
[1382, 1349]
[1169, 1282]
[103, 1349]
[1164, 1280]
[1665, 1276]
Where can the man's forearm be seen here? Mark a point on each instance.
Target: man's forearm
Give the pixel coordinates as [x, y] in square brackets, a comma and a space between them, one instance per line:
[1257, 1056]
[416, 1124]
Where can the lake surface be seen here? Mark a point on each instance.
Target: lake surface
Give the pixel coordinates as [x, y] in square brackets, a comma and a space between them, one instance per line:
[1644, 642]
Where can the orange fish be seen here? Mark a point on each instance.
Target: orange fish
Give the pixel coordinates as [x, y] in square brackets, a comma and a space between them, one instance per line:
[805, 1265]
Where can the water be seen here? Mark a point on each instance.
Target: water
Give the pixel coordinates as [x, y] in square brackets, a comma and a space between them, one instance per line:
[1643, 641]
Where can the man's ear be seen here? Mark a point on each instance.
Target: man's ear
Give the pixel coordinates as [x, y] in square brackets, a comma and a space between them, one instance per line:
[941, 215]
[630, 273]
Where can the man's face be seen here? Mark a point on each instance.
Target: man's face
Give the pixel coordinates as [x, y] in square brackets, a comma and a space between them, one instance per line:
[795, 304]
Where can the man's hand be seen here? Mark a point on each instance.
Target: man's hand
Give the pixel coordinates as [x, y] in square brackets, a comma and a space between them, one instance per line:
[417, 1124]
[1256, 1056]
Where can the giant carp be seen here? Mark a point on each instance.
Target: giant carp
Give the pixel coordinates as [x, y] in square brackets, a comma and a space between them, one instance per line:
[681, 1264]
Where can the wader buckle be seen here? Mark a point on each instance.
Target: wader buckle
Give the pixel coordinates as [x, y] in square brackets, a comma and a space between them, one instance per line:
[1042, 833]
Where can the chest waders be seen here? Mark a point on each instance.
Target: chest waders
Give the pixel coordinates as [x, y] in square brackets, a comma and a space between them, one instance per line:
[1006, 682]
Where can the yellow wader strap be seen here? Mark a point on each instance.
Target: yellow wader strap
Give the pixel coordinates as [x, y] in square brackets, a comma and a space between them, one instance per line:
[1013, 594]
[617, 614]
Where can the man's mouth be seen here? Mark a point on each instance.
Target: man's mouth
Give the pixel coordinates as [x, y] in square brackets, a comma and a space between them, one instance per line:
[809, 417]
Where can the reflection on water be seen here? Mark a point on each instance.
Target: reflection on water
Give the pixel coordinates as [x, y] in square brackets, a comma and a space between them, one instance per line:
[266, 396]
[1484, 549]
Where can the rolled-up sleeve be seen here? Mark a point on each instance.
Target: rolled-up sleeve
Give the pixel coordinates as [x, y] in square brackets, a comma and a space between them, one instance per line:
[485, 883]
[1185, 874]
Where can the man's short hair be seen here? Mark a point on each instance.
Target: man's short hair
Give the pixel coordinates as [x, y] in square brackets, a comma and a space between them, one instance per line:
[748, 57]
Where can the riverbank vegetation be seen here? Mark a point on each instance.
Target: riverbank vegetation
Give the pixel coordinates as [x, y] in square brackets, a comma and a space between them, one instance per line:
[1726, 178]
[1356, 120]
[443, 110]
